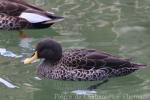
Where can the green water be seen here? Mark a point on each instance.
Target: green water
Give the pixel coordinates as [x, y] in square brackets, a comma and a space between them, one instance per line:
[120, 27]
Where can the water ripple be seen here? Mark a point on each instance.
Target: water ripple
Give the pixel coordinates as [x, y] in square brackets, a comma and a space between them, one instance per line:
[6, 53]
[8, 84]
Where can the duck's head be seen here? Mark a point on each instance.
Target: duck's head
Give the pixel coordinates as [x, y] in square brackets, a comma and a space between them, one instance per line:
[47, 49]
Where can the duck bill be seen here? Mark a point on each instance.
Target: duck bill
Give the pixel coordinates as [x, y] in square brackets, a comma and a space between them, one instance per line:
[30, 60]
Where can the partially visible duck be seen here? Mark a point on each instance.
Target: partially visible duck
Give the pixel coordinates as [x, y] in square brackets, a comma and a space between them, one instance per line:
[78, 64]
[18, 15]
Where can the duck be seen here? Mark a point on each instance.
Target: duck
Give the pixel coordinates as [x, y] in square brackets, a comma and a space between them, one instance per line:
[78, 64]
[19, 15]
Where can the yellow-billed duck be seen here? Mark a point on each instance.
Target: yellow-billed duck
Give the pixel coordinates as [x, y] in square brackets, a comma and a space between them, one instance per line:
[18, 15]
[78, 64]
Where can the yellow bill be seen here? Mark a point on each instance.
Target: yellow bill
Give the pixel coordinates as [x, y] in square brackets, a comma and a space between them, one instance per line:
[30, 60]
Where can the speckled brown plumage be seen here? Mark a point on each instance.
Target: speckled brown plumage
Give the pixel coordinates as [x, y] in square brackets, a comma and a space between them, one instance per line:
[10, 11]
[80, 64]
[12, 23]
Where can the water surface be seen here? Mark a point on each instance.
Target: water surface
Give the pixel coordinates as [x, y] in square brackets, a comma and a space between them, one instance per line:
[120, 27]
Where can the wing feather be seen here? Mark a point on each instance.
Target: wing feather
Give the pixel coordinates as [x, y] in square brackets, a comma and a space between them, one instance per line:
[88, 59]
[11, 8]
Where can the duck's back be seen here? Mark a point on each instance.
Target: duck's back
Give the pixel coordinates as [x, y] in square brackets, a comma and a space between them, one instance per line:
[90, 58]
[11, 8]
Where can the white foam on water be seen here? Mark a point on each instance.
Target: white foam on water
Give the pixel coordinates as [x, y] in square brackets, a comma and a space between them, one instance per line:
[6, 53]
[37, 78]
[126, 29]
[8, 84]
[84, 92]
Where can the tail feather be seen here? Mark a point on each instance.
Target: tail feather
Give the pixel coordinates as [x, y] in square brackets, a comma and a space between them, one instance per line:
[54, 20]
[45, 24]
[138, 66]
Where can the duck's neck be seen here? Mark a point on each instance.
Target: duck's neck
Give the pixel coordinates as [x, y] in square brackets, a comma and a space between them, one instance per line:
[50, 62]
[46, 68]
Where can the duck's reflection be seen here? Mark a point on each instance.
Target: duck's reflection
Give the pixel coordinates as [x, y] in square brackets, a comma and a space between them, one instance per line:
[58, 90]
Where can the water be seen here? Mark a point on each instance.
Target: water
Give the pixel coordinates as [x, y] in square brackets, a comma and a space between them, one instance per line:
[120, 27]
